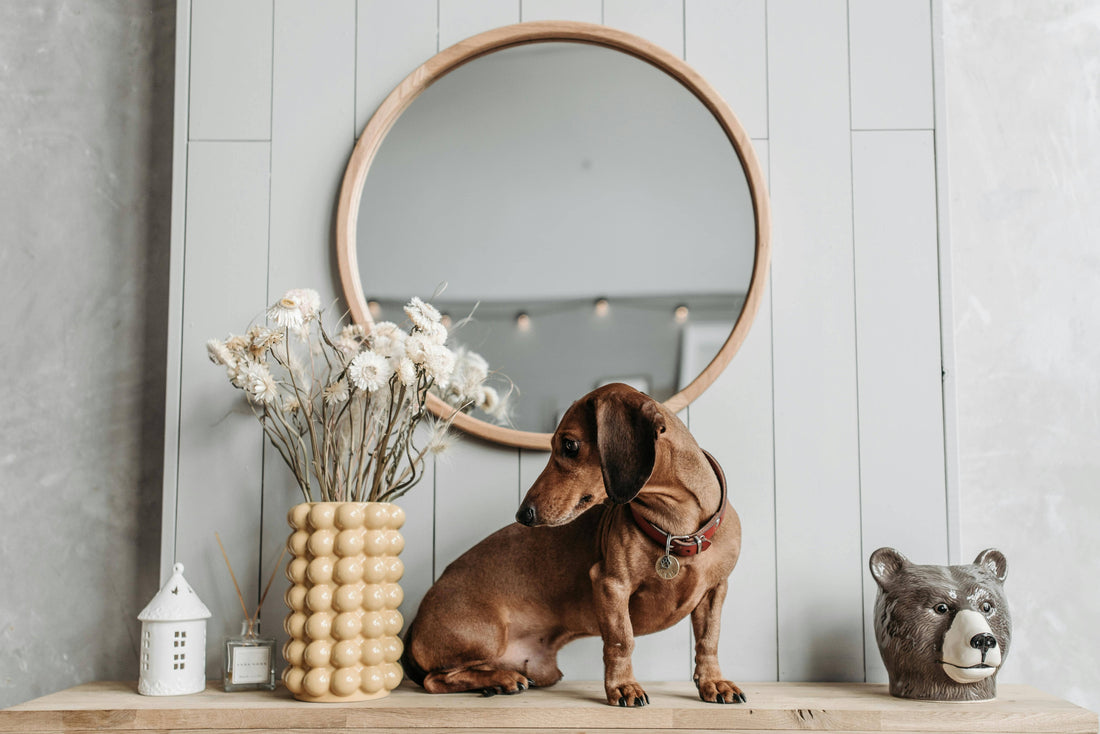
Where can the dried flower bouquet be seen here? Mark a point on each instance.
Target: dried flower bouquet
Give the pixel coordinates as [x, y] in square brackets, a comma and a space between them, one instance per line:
[343, 410]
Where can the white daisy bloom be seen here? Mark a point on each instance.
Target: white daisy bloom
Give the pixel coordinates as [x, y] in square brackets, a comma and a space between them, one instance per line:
[287, 312]
[416, 348]
[309, 302]
[369, 370]
[440, 364]
[388, 339]
[336, 392]
[259, 383]
[437, 334]
[424, 316]
[407, 372]
[262, 338]
[349, 338]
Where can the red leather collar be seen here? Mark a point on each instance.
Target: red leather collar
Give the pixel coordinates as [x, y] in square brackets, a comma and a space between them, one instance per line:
[688, 545]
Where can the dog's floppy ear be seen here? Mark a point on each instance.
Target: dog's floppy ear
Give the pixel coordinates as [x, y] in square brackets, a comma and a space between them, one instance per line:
[626, 435]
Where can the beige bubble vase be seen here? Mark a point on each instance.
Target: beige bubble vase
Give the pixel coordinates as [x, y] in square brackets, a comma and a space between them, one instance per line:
[343, 622]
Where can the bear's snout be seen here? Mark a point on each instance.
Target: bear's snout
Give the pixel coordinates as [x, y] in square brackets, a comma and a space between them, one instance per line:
[970, 651]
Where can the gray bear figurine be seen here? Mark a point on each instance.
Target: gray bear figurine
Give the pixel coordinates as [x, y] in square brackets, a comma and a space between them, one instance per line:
[943, 631]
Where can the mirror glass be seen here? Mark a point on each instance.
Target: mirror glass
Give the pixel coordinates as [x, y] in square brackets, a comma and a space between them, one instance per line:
[588, 205]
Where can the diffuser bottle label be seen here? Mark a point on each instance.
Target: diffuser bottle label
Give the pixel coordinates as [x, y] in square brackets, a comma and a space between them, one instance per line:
[250, 665]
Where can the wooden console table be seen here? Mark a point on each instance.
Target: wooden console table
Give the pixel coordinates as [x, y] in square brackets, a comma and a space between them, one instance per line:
[567, 707]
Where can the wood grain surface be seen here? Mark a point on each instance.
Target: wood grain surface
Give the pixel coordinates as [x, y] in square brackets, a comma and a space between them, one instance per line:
[576, 706]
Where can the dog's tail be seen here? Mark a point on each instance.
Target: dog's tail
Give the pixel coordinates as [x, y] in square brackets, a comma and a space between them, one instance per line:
[412, 671]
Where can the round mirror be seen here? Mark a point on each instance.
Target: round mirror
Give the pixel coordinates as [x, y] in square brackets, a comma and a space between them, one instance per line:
[586, 197]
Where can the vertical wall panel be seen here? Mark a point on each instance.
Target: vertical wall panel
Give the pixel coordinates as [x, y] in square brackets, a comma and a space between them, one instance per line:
[312, 132]
[726, 43]
[733, 421]
[477, 484]
[392, 39]
[459, 19]
[891, 56]
[816, 444]
[897, 322]
[660, 21]
[230, 86]
[220, 442]
[587, 11]
[662, 655]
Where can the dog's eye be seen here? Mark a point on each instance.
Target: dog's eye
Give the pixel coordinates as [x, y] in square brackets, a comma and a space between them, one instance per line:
[569, 447]
[986, 607]
[941, 608]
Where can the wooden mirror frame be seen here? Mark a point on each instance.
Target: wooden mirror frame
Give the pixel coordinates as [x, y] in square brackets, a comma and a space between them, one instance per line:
[448, 60]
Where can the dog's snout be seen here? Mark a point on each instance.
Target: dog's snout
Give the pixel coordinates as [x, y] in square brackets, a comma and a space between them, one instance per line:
[526, 515]
[983, 641]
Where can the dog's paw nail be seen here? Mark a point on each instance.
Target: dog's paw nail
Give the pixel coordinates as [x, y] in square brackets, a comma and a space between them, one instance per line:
[622, 702]
[742, 697]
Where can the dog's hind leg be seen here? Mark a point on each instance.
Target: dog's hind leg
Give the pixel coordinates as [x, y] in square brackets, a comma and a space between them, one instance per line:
[484, 678]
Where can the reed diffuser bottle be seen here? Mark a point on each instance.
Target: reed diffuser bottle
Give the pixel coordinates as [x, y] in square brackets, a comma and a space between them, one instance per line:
[249, 660]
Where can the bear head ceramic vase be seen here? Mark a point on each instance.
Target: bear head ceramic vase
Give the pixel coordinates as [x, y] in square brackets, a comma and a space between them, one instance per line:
[343, 622]
[943, 631]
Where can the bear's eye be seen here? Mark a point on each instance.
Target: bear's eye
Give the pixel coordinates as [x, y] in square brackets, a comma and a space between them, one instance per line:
[569, 447]
[941, 608]
[986, 607]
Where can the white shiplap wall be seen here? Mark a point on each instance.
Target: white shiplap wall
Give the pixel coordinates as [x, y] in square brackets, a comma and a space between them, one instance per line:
[829, 422]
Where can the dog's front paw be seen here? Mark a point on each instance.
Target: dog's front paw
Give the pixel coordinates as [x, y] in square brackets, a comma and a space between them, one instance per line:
[720, 691]
[627, 695]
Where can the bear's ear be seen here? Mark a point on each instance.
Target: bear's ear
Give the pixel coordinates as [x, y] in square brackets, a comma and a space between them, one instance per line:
[885, 564]
[993, 560]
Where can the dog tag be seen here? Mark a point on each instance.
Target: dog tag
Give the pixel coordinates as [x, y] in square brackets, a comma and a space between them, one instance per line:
[667, 567]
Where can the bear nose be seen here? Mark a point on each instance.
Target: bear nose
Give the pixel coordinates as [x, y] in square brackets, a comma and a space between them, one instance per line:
[526, 515]
[983, 641]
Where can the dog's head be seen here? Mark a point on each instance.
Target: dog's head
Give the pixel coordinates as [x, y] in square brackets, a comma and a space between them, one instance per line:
[604, 448]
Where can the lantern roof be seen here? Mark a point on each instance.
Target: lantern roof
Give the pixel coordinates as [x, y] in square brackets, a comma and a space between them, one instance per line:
[176, 602]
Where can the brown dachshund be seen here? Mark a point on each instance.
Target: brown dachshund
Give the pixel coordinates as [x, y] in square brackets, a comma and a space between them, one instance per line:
[589, 556]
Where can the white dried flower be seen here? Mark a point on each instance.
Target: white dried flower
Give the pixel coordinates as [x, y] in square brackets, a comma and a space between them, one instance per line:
[219, 353]
[471, 370]
[349, 338]
[309, 302]
[387, 339]
[424, 316]
[488, 399]
[369, 370]
[259, 383]
[440, 364]
[261, 338]
[238, 345]
[416, 348]
[287, 312]
[407, 372]
[437, 334]
[337, 392]
[291, 404]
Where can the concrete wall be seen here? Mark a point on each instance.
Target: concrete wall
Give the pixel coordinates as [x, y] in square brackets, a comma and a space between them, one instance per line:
[85, 139]
[85, 174]
[1024, 167]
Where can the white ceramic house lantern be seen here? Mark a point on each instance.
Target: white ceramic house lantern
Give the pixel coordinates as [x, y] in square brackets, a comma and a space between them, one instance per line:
[173, 640]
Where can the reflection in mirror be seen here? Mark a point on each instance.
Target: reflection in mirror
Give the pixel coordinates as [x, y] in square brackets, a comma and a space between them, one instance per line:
[588, 204]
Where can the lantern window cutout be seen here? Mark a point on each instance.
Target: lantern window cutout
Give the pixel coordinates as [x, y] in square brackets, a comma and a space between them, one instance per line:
[173, 640]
